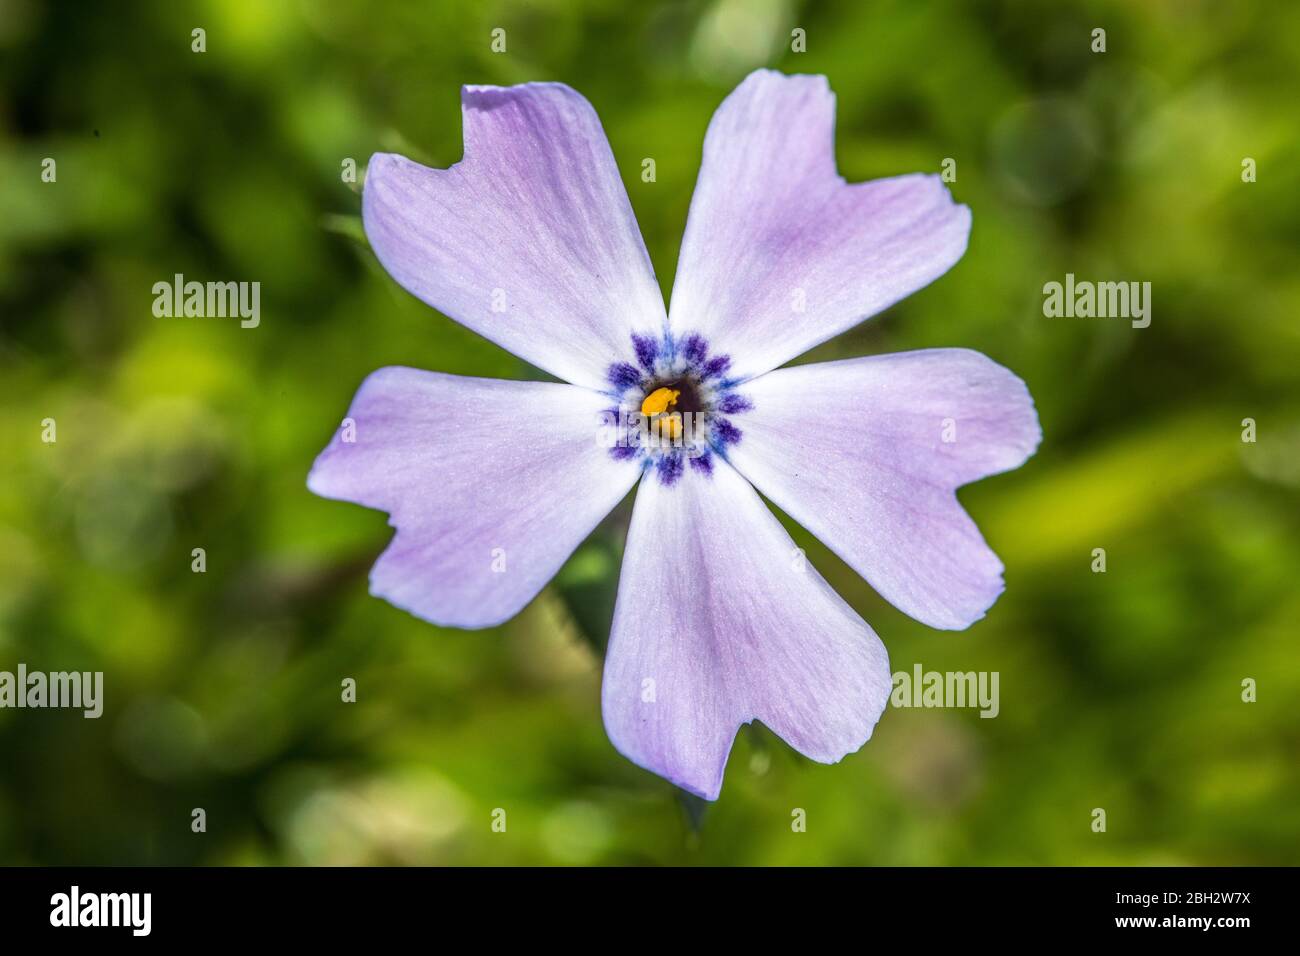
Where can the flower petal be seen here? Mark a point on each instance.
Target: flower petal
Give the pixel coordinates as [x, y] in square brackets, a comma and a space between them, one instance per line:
[867, 453]
[720, 621]
[490, 484]
[530, 240]
[780, 254]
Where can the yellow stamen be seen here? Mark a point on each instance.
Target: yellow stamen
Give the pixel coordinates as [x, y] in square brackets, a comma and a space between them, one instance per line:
[659, 401]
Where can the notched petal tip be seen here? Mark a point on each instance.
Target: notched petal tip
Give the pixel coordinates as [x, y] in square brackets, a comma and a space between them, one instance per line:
[772, 213]
[473, 544]
[744, 642]
[889, 468]
[529, 239]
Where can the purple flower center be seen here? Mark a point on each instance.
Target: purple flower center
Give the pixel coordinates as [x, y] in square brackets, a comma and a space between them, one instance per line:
[673, 397]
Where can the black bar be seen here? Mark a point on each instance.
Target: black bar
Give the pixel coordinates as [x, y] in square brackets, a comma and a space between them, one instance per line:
[214, 905]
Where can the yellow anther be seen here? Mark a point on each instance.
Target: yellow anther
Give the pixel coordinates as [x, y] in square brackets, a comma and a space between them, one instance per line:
[659, 401]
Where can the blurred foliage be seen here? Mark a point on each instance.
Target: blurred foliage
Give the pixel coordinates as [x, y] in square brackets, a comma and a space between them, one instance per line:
[1119, 690]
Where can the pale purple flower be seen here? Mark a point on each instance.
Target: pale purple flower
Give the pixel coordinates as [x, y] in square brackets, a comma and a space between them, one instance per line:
[491, 485]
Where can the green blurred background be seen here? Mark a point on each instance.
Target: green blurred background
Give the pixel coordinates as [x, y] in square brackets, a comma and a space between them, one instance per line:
[1119, 690]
